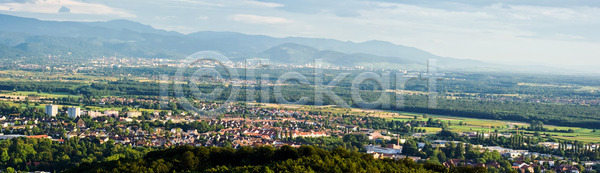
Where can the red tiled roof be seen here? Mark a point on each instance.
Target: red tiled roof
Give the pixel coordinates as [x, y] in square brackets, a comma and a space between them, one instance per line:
[38, 136]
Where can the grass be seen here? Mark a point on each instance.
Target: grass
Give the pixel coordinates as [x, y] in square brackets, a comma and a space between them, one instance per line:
[12, 103]
[96, 108]
[541, 85]
[42, 94]
[577, 88]
[471, 124]
[431, 129]
[589, 88]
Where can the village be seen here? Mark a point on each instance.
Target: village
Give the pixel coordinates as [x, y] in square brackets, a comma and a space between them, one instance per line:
[265, 126]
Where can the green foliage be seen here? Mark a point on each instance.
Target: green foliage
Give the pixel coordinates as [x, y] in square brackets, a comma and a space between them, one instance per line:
[261, 159]
[410, 148]
[10, 170]
[22, 153]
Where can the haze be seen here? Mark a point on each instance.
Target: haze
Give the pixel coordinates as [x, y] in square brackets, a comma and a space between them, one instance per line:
[510, 32]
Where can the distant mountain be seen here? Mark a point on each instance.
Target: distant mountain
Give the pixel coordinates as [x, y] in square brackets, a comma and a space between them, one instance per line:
[11, 51]
[36, 38]
[292, 53]
[132, 26]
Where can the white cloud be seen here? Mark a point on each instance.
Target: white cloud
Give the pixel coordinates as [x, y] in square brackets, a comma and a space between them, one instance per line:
[202, 3]
[203, 17]
[541, 12]
[568, 37]
[53, 6]
[263, 4]
[491, 30]
[254, 19]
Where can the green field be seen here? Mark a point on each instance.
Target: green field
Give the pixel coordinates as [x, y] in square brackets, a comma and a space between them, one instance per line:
[41, 94]
[470, 124]
[63, 76]
[96, 108]
[473, 124]
[119, 108]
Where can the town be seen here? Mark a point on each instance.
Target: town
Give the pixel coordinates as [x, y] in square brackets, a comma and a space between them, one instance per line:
[253, 86]
[274, 125]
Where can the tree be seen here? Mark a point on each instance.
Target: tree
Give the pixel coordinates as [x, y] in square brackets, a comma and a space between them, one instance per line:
[459, 151]
[4, 157]
[268, 170]
[10, 170]
[410, 148]
[161, 166]
[429, 150]
[227, 144]
[441, 156]
[189, 160]
[536, 126]
[173, 106]
[430, 121]
[481, 160]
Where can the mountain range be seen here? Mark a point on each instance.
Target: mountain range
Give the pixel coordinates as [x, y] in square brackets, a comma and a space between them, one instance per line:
[28, 37]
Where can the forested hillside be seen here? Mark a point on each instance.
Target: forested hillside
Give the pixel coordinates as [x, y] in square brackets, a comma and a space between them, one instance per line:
[262, 159]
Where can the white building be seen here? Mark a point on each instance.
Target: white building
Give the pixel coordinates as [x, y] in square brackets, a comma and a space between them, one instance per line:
[133, 114]
[94, 114]
[513, 154]
[377, 149]
[111, 113]
[550, 162]
[10, 136]
[74, 112]
[51, 110]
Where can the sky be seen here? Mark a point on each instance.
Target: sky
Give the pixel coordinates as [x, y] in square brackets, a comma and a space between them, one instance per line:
[544, 32]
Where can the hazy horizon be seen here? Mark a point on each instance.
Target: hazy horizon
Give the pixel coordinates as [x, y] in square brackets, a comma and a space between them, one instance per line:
[510, 32]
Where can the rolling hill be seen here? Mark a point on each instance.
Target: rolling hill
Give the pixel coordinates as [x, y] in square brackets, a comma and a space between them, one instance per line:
[36, 38]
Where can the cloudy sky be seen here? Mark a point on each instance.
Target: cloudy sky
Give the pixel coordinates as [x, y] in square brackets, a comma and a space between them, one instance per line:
[560, 32]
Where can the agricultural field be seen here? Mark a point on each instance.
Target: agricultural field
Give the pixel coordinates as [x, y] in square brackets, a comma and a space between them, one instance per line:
[473, 125]
[469, 124]
[36, 94]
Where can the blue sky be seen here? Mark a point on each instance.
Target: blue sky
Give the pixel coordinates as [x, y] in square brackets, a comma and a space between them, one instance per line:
[558, 32]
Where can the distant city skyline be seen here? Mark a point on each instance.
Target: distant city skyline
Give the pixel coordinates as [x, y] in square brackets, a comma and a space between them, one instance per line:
[524, 32]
